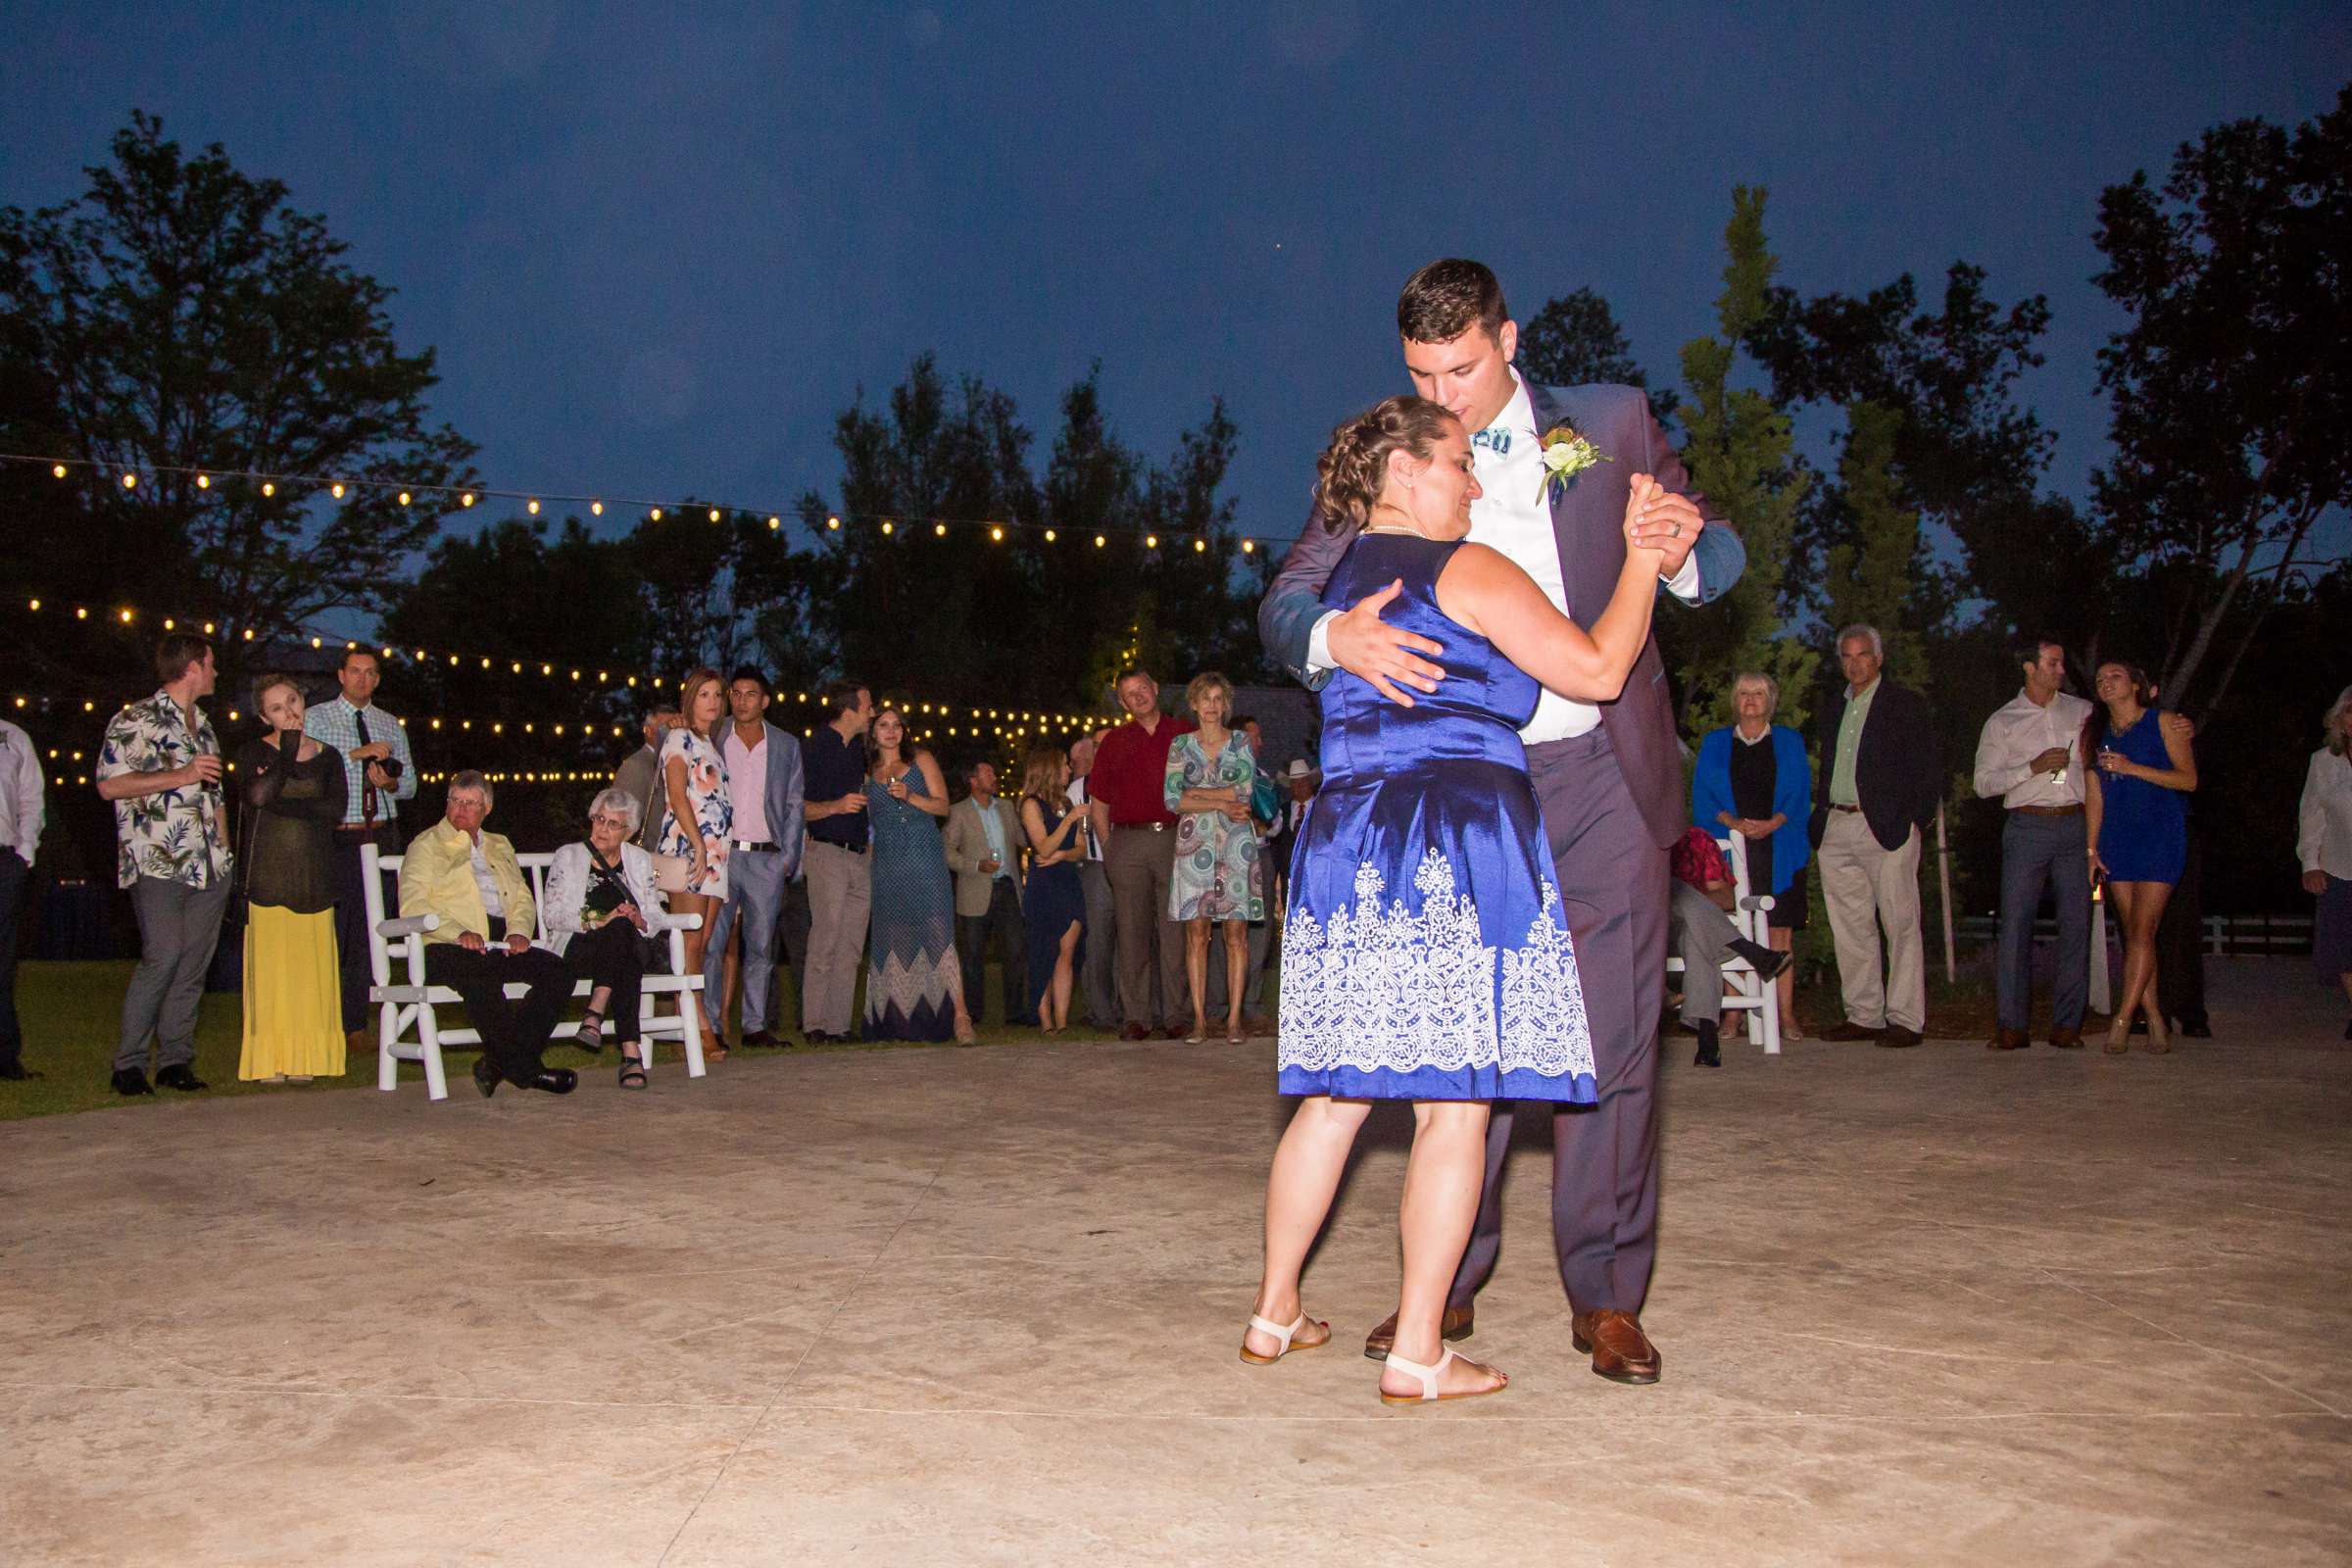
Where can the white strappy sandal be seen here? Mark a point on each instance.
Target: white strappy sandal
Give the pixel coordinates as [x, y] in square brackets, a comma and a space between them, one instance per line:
[1428, 1376]
[1281, 1336]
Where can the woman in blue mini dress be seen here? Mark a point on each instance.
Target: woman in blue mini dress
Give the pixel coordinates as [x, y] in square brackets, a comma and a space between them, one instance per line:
[1424, 955]
[2137, 808]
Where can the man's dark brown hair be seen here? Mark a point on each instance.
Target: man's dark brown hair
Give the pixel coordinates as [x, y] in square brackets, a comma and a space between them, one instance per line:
[176, 652]
[1446, 299]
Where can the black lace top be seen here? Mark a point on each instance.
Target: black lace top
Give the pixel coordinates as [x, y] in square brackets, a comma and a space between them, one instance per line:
[291, 808]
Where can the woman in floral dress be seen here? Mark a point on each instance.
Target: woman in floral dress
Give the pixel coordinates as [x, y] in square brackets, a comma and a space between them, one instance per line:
[1211, 775]
[690, 857]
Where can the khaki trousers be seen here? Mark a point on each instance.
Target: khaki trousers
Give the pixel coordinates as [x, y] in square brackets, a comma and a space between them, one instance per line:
[1150, 946]
[840, 896]
[1866, 886]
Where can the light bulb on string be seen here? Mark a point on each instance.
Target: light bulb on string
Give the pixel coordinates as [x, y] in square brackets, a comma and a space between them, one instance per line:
[595, 509]
[204, 481]
[404, 497]
[57, 470]
[268, 488]
[130, 481]
[939, 528]
[335, 489]
[1151, 541]
[1099, 540]
[531, 506]
[1049, 536]
[834, 523]
[887, 527]
[714, 513]
[657, 514]
[996, 534]
[1199, 545]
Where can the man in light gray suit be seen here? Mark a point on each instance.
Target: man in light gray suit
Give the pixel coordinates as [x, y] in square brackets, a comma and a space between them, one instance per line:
[766, 782]
[1609, 778]
[983, 843]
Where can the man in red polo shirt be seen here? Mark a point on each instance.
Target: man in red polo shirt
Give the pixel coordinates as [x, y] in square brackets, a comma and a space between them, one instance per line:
[1138, 833]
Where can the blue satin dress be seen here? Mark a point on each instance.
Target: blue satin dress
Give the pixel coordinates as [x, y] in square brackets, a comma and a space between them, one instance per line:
[1425, 956]
[2143, 827]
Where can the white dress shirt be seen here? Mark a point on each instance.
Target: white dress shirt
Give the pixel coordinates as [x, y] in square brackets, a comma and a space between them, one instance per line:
[2324, 821]
[2019, 731]
[1078, 798]
[1514, 516]
[747, 785]
[20, 792]
[493, 903]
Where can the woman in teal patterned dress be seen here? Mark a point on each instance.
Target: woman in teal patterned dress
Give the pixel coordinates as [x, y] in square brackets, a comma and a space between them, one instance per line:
[914, 985]
[1211, 775]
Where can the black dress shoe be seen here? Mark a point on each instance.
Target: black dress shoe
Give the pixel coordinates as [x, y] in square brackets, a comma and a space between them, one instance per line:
[760, 1039]
[16, 1072]
[1896, 1036]
[552, 1080]
[180, 1076]
[1710, 1051]
[131, 1080]
[486, 1076]
[2200, 1030]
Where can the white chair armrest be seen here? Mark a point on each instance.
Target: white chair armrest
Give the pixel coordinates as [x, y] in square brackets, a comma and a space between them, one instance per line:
[407, 925]
[1762, 901]
[663, 920]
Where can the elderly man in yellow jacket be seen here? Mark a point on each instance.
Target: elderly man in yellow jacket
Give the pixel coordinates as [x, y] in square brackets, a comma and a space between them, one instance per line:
[473, 881]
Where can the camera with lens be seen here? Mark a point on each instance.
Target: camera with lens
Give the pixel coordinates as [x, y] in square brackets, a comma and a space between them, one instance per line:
[393, 767]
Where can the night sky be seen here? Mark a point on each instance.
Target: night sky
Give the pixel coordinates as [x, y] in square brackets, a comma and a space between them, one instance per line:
[658, 256]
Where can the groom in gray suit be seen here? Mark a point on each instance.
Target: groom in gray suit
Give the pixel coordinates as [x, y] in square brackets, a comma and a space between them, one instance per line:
[1609, 777]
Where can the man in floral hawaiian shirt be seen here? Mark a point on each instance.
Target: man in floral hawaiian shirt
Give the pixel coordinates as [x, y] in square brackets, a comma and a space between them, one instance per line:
[161, 767]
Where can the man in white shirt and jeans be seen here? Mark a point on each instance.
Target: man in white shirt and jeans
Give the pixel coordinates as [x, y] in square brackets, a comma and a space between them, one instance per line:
[2030, 756]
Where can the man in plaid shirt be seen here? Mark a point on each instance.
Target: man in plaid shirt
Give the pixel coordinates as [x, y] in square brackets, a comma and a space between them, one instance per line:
[379, 774]
[1699, 928]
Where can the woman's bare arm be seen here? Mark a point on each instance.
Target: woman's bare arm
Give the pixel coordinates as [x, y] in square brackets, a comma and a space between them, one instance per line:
[1485, 590]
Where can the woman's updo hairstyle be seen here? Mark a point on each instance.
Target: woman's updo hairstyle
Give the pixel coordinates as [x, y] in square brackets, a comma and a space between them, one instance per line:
[1353, 469]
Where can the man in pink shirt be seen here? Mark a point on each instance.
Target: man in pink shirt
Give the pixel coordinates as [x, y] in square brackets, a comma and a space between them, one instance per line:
[765, 784]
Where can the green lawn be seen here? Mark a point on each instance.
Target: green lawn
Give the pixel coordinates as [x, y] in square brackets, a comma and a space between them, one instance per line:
[72, 1012]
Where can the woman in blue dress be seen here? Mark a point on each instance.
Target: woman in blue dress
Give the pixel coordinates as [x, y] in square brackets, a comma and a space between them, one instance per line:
[1052, 900]
[914, 985]
[1424, 955]
[2136, 806]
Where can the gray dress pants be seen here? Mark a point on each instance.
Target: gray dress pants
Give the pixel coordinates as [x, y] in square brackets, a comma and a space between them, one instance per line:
[755, 899]
[1612, 878]
[1702, 937]
[2038, 851]
[1099, 980]
[178, 927]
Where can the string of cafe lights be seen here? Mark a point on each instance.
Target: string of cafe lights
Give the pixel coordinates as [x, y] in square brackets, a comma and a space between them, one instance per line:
[129, 477]
[128, 615]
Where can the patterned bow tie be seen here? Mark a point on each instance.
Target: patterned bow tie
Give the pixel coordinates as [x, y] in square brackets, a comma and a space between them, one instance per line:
[1495, 438]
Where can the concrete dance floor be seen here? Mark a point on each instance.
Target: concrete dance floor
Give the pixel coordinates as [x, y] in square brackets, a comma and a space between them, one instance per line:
[981, 1306]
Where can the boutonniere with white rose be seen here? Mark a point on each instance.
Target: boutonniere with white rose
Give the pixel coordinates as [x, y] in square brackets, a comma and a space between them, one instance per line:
[1566, 454]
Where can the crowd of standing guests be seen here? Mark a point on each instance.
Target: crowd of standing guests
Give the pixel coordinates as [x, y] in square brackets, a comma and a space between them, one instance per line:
[1134, 879]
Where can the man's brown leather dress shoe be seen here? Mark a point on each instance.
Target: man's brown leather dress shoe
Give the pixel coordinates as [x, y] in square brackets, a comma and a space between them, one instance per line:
[1847, 1031]
[1621, 1352]
[2008, 1039]
[1895, 1037]
[2070, 1039]
[1135, 1031]
[1454, 1325]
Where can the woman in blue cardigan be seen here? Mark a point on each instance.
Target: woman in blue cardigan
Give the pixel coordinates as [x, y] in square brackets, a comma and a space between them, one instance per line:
[1753, 780]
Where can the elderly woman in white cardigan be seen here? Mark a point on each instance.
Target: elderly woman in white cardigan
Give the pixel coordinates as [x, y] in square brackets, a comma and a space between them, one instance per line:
[598, 896]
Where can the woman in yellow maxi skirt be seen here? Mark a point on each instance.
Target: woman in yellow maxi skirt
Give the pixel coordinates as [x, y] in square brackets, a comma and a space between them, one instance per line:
[293, 789]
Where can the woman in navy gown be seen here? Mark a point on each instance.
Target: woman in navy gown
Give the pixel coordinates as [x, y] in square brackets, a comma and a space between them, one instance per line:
[2136, 810]
[1424, 956]
[1052, 900]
